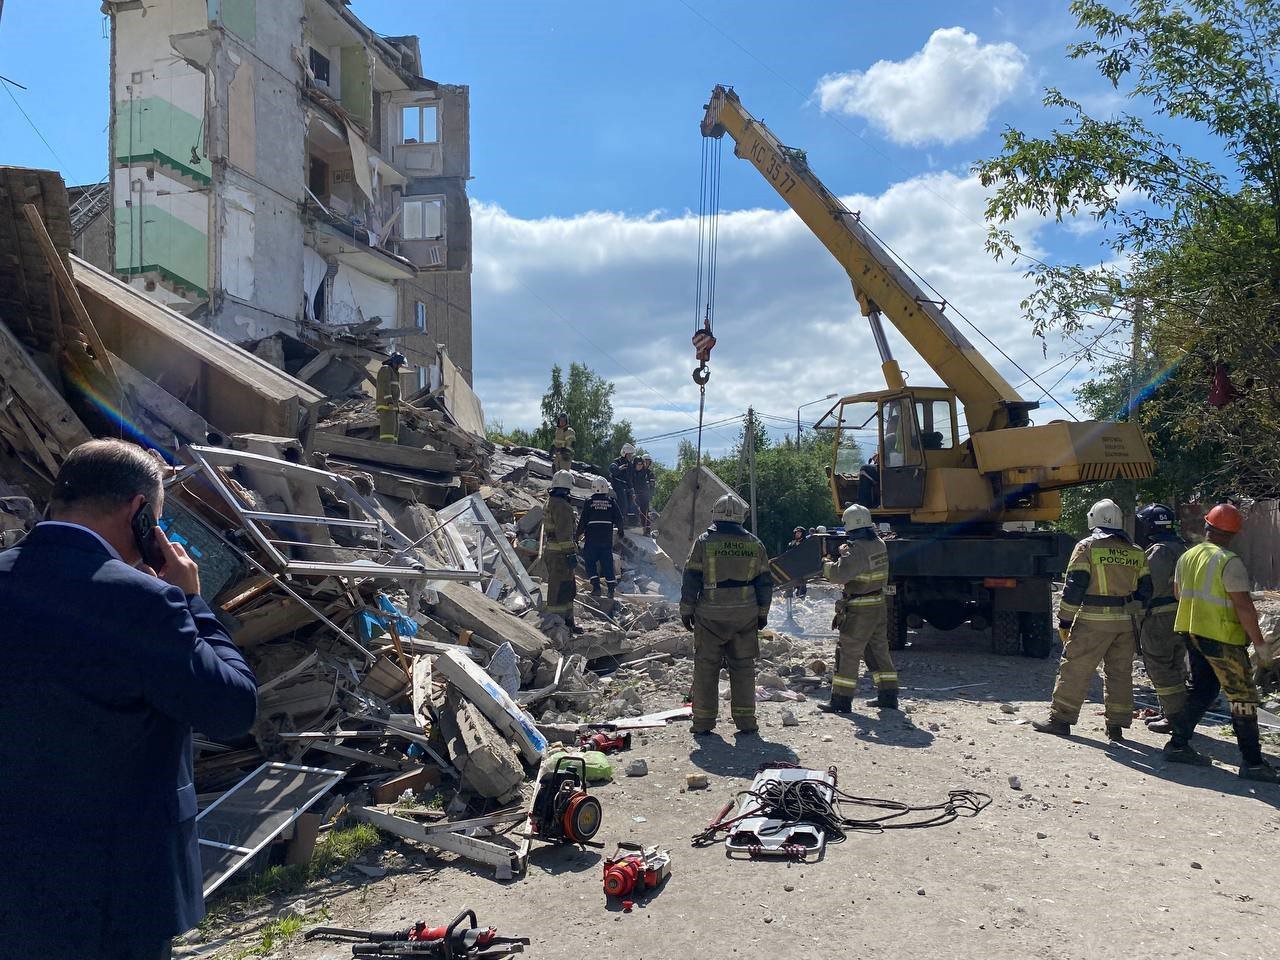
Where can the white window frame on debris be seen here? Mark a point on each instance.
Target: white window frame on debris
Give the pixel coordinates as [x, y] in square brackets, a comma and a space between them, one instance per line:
[474, 533]
[422, 217]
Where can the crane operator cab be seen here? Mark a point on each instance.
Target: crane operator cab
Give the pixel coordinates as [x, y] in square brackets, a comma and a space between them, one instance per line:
[885, 444]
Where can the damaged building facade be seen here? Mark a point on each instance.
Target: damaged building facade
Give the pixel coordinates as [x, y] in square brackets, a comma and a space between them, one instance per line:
[279, 173]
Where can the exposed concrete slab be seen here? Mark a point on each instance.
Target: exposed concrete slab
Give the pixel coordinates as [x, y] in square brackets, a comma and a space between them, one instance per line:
[688, 512]
[468, 608]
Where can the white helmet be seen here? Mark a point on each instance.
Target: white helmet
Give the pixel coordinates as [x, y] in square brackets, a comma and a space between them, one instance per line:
[729, 507]
[856, 517]
[1105, 513]
[628, 448]
[820, 530]
[601, 485]
[562, 478]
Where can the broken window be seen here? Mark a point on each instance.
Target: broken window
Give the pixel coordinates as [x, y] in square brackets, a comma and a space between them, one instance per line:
[319, 66]
[419, 123]
[318, 177]
[423, 218]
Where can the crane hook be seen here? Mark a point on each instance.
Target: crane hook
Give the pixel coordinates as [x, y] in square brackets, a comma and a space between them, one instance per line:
[703, 341]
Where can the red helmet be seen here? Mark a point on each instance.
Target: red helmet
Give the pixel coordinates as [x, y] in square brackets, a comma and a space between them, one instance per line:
[1225, 517]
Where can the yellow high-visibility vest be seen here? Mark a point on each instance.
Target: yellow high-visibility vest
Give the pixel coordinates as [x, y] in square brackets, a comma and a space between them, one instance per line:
[1204, 609]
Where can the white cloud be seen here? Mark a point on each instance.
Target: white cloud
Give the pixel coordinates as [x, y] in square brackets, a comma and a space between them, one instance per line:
[943, 93]
[617, 293]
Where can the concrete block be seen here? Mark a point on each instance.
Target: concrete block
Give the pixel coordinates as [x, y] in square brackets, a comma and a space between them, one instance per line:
[463, 607]
[688, 513]
[489, 765]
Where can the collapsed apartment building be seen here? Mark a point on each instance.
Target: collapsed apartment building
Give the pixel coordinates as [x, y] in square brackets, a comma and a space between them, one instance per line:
[386, 594]
[285, 176]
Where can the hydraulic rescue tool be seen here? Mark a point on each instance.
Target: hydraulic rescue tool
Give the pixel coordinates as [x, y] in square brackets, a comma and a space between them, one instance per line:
[451, 942]
[635, 868]
[563, 811]
[605, 742]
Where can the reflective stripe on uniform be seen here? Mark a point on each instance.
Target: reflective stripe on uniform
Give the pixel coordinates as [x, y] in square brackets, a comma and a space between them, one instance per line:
[566, 546]
[883, 676]
[1170, 691]
[865, 600]
[843, 682]
[743, 711]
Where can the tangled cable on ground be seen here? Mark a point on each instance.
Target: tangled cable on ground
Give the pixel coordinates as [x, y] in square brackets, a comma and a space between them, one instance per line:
[817, 803]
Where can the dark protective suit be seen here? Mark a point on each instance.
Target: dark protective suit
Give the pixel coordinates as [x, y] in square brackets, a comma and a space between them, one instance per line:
[1163, 651]
[600, 516]
[620, 476]
[727, 589]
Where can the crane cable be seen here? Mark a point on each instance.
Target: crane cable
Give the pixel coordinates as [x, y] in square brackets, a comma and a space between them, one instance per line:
[704, 310]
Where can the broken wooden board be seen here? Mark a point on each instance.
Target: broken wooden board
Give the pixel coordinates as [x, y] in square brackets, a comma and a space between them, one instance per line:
[467, 608]
[26, 292]
[19, 373]
[389, 454]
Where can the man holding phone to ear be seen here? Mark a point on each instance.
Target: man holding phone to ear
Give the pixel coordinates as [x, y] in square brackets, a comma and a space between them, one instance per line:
[110, 662]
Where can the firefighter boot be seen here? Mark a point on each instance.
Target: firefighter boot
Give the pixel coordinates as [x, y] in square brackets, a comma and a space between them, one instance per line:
[1179, 749]
[573, 627]
[1059, 728]
[839, 703]
[595, 587]
[613, 586]
[1160, 724]
[885, 700]
[1252, 766]
[1115, 733]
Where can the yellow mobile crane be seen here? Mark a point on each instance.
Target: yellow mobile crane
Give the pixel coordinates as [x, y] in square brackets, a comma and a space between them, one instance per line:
[946, 498]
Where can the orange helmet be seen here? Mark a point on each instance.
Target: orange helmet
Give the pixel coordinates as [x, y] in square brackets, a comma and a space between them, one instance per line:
[1225, 517]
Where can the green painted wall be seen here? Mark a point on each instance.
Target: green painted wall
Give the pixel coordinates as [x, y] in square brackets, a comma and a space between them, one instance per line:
[148, 128]
[238, 16]
[175, 250]
[357, 84]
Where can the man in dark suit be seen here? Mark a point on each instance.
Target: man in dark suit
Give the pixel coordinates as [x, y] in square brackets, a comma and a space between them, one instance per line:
[108, 666]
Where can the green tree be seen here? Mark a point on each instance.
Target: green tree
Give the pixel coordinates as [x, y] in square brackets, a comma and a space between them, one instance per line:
[587, 398]
[1191, 238]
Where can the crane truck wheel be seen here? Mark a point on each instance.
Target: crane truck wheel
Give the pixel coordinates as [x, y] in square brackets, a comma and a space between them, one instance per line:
[1038, 635]
[897, 623]
[1006, 633]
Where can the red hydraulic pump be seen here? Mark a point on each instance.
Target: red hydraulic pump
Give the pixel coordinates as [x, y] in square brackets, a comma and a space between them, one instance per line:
[605, 741]
[635, 868]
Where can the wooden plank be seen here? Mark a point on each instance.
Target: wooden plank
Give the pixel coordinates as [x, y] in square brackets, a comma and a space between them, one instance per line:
[68, 288]
[33, 439]
[20, 373]
[376, 452]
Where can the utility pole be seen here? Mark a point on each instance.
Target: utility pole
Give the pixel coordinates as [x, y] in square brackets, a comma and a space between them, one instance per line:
[750, 439]
[1136, 366]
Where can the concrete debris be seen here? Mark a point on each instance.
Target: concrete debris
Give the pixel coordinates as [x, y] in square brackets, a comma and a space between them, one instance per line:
[789, 718]
[637, 768]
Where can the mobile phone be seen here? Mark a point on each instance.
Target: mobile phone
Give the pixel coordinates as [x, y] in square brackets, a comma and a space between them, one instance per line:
[144, 535]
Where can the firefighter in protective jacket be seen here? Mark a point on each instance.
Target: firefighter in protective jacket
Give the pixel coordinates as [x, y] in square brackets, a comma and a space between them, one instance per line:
[863, 571]
[1108, 582]
[560, 549]
[724, 600]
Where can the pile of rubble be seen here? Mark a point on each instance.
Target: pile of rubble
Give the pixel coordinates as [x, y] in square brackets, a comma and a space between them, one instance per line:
[386, 595]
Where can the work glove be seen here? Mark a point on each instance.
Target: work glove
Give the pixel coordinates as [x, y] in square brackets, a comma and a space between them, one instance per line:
[1064, 631]
[687, 620]
[1266, 653]
[844, 549]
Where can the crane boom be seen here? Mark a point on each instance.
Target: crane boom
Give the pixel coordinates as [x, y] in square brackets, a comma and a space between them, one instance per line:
[880, 285]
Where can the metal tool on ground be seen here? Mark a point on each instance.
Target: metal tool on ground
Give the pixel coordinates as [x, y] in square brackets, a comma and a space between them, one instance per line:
[605, 741]
[451, 942]
[784, 801]
[563, 811]
[634, 868]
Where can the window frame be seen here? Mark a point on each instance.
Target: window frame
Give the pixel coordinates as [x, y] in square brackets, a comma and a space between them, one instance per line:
[421, 200]
[420, 108]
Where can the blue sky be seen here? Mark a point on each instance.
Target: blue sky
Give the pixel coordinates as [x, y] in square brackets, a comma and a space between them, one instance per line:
[585, 152]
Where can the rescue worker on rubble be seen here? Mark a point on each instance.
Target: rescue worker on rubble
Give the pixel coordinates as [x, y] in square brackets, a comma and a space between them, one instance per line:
[600, 517]
[1217, 616]
[388, 402]
[863, 571]
[724, 600]
[798, 536]
[1164, 652]
[642, 488]
[559, 549]
[562, 444]
[1107, 582]
[620, 474]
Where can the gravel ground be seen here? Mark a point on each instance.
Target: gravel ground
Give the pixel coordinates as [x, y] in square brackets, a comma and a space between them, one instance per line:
[1100, 851]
